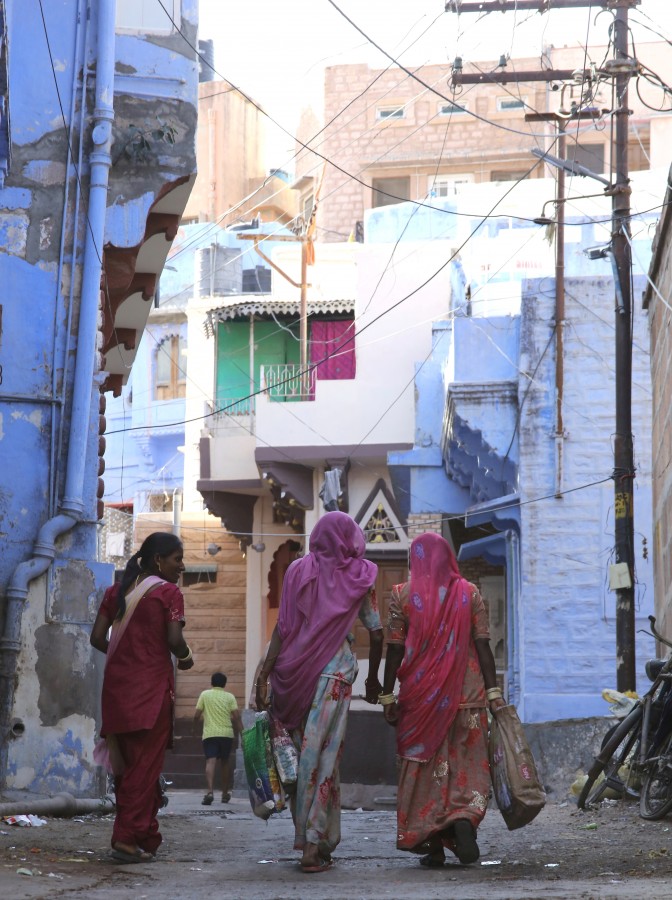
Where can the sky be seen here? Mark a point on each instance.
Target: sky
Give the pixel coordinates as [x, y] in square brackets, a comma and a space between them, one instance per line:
[276, 50]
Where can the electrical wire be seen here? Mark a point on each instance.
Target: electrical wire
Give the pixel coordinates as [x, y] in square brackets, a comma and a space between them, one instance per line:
[451, 517]
[373, 321]
[333, 4]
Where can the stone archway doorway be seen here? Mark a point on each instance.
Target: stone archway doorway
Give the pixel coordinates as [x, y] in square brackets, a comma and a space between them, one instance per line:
[283, 556]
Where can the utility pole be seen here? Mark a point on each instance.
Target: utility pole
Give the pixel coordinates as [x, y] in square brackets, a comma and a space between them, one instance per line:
[624, 464]
[620, 68]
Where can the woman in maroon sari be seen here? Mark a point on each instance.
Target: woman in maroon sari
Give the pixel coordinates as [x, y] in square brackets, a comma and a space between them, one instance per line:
[145, 612]
[439, 649]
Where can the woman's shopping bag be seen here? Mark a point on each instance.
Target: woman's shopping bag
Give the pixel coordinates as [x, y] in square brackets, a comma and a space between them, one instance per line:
[263, 784]
[285, 755]
[518, 789]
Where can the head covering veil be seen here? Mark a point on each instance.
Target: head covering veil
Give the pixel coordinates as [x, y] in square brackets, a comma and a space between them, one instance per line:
[437, 644]
[321, 596]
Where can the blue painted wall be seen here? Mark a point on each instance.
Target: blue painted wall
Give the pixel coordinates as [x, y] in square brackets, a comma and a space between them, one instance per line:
[562, 647]
[49, 675]
[142, 455]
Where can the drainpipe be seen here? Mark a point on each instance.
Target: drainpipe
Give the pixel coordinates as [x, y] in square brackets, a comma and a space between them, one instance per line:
[513, 619]
[72, 507]
[177, 513]
[100, 160]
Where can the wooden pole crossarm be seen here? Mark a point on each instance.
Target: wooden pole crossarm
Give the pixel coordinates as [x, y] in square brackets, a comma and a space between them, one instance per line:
[556, 116]
[542, 6]
[295, 284]
[267, 237]
[515, 77]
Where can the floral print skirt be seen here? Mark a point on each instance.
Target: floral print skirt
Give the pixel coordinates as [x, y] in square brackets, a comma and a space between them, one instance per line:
[316, 806]
[454, 784]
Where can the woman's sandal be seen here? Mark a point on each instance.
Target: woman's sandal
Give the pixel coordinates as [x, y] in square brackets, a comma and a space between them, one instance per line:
[207, 800]
[138, 856]
[432, 861]
[323, 866]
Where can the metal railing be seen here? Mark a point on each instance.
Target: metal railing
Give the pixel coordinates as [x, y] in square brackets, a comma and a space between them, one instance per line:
[233, 407]
[286, 382]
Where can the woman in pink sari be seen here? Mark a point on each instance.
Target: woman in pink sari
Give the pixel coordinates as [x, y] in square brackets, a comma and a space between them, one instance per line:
[145, 613]
[312, 668]
[439, 649]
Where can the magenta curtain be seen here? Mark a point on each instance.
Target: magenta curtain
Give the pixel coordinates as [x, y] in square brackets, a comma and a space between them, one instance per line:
[334, 340]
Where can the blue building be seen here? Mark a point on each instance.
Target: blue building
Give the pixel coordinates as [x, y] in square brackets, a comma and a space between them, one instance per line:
[530, 511]
[144, 456]
[97, 124]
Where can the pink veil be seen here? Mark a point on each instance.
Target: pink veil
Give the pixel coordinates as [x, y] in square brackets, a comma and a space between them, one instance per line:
[437, 644]
[321, 596]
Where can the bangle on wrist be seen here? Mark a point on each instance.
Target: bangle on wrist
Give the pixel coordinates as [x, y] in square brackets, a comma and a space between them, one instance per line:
[187, 657]
[494, 694]
[386, 699]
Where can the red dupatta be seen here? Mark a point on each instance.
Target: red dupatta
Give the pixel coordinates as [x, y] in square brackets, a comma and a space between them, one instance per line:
[437, 644]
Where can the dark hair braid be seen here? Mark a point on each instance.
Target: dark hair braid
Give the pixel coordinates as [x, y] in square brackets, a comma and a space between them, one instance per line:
[159, 543]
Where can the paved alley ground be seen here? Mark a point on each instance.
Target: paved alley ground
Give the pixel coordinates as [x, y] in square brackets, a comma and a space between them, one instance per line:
[224, 851]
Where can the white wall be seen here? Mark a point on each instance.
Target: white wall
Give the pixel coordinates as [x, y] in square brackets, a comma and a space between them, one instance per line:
[392, 339]
[200, 391]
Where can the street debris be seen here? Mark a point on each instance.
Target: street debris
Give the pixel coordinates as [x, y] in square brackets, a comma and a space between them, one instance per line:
[25, 821]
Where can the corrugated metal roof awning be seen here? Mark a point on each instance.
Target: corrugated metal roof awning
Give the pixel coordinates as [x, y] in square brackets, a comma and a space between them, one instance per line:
[264, 306]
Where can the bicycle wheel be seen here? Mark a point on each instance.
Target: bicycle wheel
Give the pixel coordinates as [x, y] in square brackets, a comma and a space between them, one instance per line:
[614, 753]
[655, 799]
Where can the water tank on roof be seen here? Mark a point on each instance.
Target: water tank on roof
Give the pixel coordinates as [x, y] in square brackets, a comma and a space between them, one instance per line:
[219, 271]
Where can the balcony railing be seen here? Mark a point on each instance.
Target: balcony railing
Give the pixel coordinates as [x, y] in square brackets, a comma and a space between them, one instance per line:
[287, 382]
[233, 407]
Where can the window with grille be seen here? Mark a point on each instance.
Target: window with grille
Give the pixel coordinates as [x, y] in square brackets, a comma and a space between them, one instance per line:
[452, 109]
[390, 112]
[162, 502]
[171, 362]
[505, 104]
[447, 185]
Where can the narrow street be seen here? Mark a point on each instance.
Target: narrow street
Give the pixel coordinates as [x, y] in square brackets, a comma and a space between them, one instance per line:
[225, 852]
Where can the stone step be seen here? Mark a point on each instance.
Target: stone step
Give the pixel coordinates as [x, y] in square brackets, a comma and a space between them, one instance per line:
[188, 745]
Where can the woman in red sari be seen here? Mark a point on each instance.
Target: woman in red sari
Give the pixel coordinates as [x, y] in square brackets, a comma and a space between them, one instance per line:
[439, 649]
[146, 614]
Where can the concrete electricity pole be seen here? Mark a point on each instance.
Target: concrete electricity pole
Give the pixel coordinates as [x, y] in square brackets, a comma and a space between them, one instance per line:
[621, 68]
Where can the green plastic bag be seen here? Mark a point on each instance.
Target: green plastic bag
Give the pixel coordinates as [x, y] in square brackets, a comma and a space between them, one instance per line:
[263, 784]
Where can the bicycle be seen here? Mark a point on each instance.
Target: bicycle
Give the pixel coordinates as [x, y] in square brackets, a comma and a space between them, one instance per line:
[639, 748]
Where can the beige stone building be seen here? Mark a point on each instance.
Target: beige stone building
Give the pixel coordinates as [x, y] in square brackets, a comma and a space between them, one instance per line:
[214, 585]
[398, 140]
[230, 148]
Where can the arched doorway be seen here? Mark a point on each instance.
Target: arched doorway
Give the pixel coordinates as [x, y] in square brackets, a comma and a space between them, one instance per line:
[283, 556]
